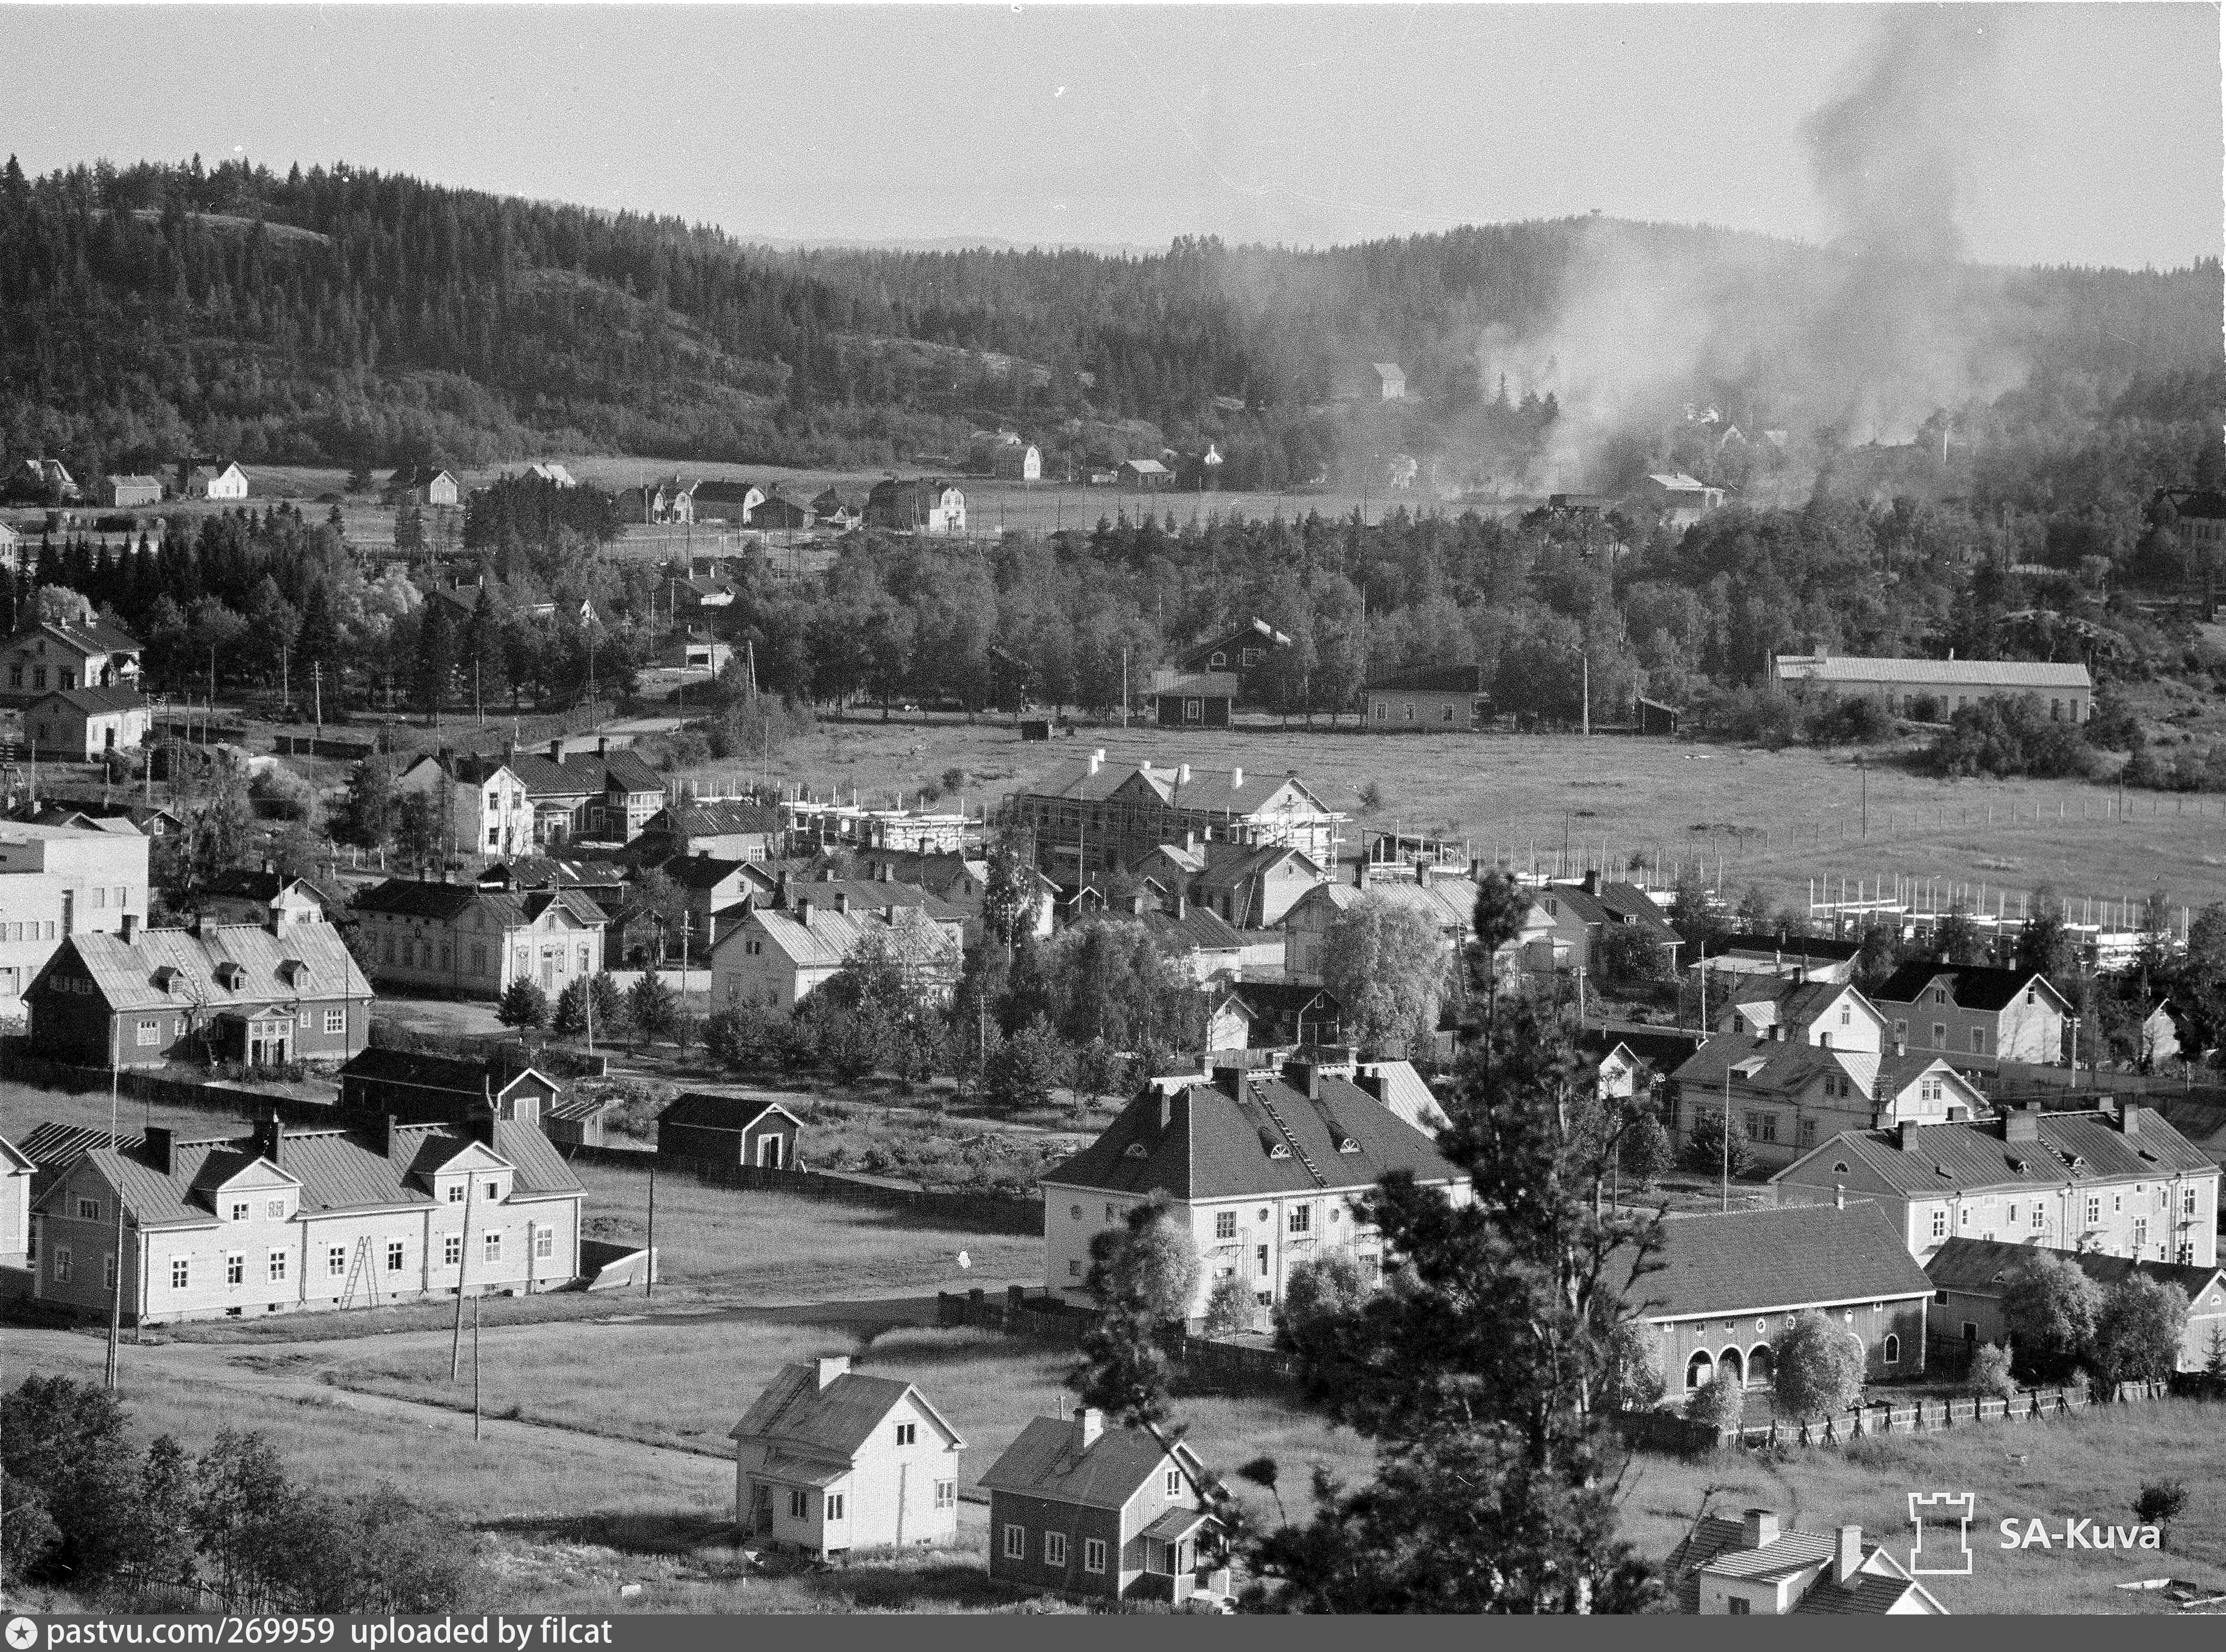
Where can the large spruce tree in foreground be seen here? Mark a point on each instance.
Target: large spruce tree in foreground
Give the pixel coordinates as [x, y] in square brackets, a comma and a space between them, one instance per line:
[1486, 1373]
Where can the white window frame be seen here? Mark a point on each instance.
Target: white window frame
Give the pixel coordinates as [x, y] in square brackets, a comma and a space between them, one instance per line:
[491, 1246]
[275, 1268]
[1054, 1548]
[336, 1261]
[396, 1255]
[182, 1273]
[452, 1250]
[1173, 1481]
[1016, 1542]
[335, 1020]
[1093, 1555]
[235, 1268]
[946, 1494]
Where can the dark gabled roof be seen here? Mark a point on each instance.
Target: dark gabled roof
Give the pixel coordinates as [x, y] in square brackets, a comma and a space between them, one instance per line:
[873, 894]
[549, 872]
[1282, 1005]
[578, 777]
[1970, 986]
[1614, 903]
[425, 1070]
[1868, 1594]
[701, 871]
[715, 819]
[1768, 1261]
[95, 702]
[1662, 1047]
[1432, 679]
[1042, 1463]
[1198, 930]
[416, 897]
[50, 1145]
[628, 772]
[86, 637]
[1203, 1142]
[1256, 634]
[703, 1111]
[1793, 948]
[1975, 1266]
[795, 1413]
[1780, 1066]
[251, 883]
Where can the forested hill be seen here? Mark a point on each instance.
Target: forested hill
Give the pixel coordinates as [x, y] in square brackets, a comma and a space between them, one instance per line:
[341, 315]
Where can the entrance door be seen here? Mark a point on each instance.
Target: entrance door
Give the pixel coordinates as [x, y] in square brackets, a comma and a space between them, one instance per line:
[548, 970]
[769, 1151]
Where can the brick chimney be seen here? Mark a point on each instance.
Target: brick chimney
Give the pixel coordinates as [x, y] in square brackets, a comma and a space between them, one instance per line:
[828, 1367]
[2130, 1117]
[269, 1141]
[842, 900]
[1182, 774]
[1592, 881]
[130, 930]
[1088, 1424]
[2022, 1123]
[1907, 1131]
[803, 910]
[1848, 1554]
[1304, 1077]
[1182, 907]
[1758, 1528]
[556, 750]
[159, 1138]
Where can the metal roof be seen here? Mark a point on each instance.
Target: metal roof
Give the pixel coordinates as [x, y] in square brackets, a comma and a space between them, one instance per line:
[2065, 1148]
[1043, 1462]
[1947, 673]
[123, 971]
[1774, 1260]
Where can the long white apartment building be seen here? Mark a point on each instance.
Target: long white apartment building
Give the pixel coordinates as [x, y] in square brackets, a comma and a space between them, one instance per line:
[57, 881]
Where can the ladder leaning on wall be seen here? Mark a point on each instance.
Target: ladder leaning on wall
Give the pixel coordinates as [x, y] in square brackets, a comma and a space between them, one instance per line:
[360, 1268]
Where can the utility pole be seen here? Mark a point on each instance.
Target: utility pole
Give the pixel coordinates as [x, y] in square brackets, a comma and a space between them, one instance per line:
[317, 690]
[1727, 1140]
[475, 1354]
[649, 1267]
[1585, 661]
[463, 1262]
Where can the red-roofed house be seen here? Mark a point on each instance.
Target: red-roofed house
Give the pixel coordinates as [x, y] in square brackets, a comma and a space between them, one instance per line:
[1750, 1567]
[1084, 1510]
[829, 1461]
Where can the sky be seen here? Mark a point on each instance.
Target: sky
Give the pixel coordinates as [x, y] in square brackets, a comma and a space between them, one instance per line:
[2086, 133]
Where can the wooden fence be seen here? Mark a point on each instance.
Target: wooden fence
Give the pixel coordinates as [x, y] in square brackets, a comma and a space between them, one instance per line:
[965, 1213]
[1206, 1361]
[1665, 1431]
[156, 1087]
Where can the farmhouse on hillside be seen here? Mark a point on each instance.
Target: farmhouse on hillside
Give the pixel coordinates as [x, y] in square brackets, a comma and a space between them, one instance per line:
[1934, 689]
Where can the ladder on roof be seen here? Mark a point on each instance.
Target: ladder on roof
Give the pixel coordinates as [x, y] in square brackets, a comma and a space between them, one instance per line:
[1305, 1157]
[360, 1270]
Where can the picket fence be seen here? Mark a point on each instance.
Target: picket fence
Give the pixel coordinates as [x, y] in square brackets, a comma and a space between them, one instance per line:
[1206, 1361]
[1665, 1431]
[965, 1212]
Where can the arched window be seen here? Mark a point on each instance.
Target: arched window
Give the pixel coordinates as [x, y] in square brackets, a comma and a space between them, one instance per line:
[1891, 1352]
[1761, 1366]
[1699, 1369]
[1732, 1367]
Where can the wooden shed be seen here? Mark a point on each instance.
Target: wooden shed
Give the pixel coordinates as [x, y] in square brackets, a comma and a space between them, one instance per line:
[729, 1130]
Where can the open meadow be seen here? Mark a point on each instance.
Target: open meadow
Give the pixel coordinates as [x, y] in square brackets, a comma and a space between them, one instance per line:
[1746, 816]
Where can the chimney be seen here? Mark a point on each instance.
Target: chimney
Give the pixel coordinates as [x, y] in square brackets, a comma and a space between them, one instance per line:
[1848, 1554]
[159, 1138]
[1907, 1131]
[556, 750]
[842, 900]
[886, 873]
[130, 927]
[1800, 974]
[1839, 1195]
[803, 912]
[1759, 1528]
[1306, 1077]
[269, 1140]
[2023, 1123]
[1592, 881]
[1235, 779]
[1190, 841]
[890, 915]
[1229, 1081]
[602, 746]
[1088, 1424]
[828, 1367]
[2130, 1117]
[387, 1133]
[1360, 874]
[1182, 774]
[1182, 909]
[1097, 759]
[269, 867]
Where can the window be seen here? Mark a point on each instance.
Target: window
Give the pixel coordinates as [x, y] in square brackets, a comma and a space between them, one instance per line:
[490, 1244]
[908, 1433]
[274, 1208]
[800, 1505]
[235, 1268]
[946, 1494]
[479, 958]
[544, 1243]
[2012, 1217]
[833, 1505]
[2140, 1233]
[495, 1189]
[108, 1272]
[1073, 1269]
[2186, 1256]
[61, 1264]
[1807, 1132]
[1928, 1090]
[1448, 714]
[1846, 1016]
[1302, 1218]
[1892, 1351]
[2039, 1217]
[1738, 1606]
[335, 1262]
[335, 1020]
[2094, 1209]
[1112, 1213]
[181, 1272]
[1410, 711]
[1901, 1029]
[2117, 1203]
[278, 1267]
[1939, 1035]
[452, 1250]
[1173, 1482]
[1940, 1221]
[2187, 1201]
[239, 1211]
[1054, 1548]
[88, 1210]
[1093, 1554]
[457, 1191]
[1016, 1542]
[394, 1255]
[150, 1033]
[1261, 1255]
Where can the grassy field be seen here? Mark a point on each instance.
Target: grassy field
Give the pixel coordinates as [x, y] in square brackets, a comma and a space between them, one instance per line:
[1776, 818]
[2088, 1466]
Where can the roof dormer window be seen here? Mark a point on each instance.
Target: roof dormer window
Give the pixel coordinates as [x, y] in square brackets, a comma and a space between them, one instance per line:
[230, 976]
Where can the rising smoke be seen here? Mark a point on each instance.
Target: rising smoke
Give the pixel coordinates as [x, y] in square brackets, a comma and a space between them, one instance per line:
[1866, 337]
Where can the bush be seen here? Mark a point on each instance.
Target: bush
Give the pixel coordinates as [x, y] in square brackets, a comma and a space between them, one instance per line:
[1755, 716]
[1989, 1378]
[1318, 1292]
[524, 1005]
[2050, 1307]
[1705, 1150]
[1817, 1369]
[278, 793]
[1230, 1307]
[2006, 738]
[2161, 1502]
[1862, 719]
[1718, 1404]
[1644, 1152]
